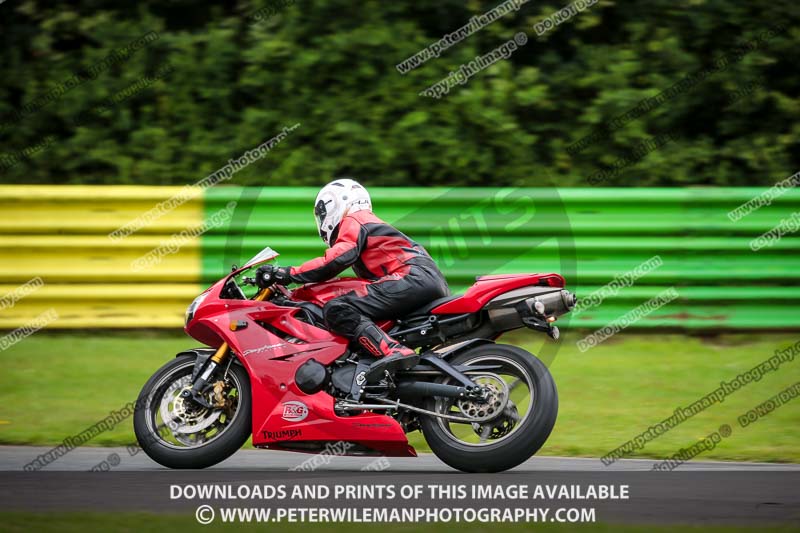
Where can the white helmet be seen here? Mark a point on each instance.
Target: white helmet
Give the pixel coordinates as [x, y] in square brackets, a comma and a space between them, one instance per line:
[334, 201]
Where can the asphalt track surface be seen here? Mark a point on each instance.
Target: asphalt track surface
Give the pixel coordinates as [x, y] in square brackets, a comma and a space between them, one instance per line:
[14, 458]
[699, 492]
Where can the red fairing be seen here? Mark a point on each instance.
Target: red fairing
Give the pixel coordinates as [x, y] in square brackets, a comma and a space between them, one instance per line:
[271, 342]
[281, 411]
[487, 287]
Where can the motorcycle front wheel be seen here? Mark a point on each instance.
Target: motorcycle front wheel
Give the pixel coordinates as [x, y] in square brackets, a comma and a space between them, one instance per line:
[522, 423]
[178, 433]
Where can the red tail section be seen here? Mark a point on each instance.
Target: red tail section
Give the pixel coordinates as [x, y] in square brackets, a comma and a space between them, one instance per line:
[487, 287]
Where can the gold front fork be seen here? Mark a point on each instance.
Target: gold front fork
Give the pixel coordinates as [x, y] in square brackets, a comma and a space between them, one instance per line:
[222, 351]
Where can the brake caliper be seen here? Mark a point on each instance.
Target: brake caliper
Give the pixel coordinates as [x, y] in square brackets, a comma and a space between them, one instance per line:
[220, 399]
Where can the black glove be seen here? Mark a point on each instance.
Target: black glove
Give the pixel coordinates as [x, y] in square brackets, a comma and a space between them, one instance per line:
[268, 275]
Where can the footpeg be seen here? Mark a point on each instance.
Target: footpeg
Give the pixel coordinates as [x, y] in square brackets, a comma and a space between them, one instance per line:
[359, 381]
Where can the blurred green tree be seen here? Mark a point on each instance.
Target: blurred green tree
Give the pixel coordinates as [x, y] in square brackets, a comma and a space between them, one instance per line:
[241, 71]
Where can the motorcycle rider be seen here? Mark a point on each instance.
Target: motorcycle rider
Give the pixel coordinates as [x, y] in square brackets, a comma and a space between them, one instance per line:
[404, 276]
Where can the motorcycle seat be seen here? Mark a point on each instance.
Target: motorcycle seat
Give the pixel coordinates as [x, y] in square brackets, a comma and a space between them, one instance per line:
[427, 308]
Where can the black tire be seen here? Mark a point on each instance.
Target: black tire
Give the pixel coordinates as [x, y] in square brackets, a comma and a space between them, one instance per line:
[220, 448]
[518, 446]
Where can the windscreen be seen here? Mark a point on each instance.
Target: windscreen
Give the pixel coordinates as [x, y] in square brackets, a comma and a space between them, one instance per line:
[264, 255]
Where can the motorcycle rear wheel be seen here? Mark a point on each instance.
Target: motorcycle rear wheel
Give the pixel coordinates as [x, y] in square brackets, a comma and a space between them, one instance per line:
[511, 438]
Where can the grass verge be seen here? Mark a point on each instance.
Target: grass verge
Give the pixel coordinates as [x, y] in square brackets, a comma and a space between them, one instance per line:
[145, 523]
[54, 385]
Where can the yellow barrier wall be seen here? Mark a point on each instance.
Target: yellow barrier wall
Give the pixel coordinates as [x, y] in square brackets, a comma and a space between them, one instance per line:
[62, 235]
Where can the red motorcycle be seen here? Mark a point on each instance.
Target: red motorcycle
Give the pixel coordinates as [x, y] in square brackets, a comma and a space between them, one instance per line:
[272, 369]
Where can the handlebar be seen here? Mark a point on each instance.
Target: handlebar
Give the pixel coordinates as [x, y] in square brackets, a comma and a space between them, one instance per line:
[262, 294]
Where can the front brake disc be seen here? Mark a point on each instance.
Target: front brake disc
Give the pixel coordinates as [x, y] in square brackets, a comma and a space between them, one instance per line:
[182, 418]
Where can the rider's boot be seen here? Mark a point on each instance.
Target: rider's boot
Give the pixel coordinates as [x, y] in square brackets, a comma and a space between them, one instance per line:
[392, 355]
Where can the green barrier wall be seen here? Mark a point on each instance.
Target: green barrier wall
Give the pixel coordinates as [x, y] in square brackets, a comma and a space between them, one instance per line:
[588, 235]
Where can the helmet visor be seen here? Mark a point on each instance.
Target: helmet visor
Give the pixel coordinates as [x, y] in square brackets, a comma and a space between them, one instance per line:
[320, 212]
